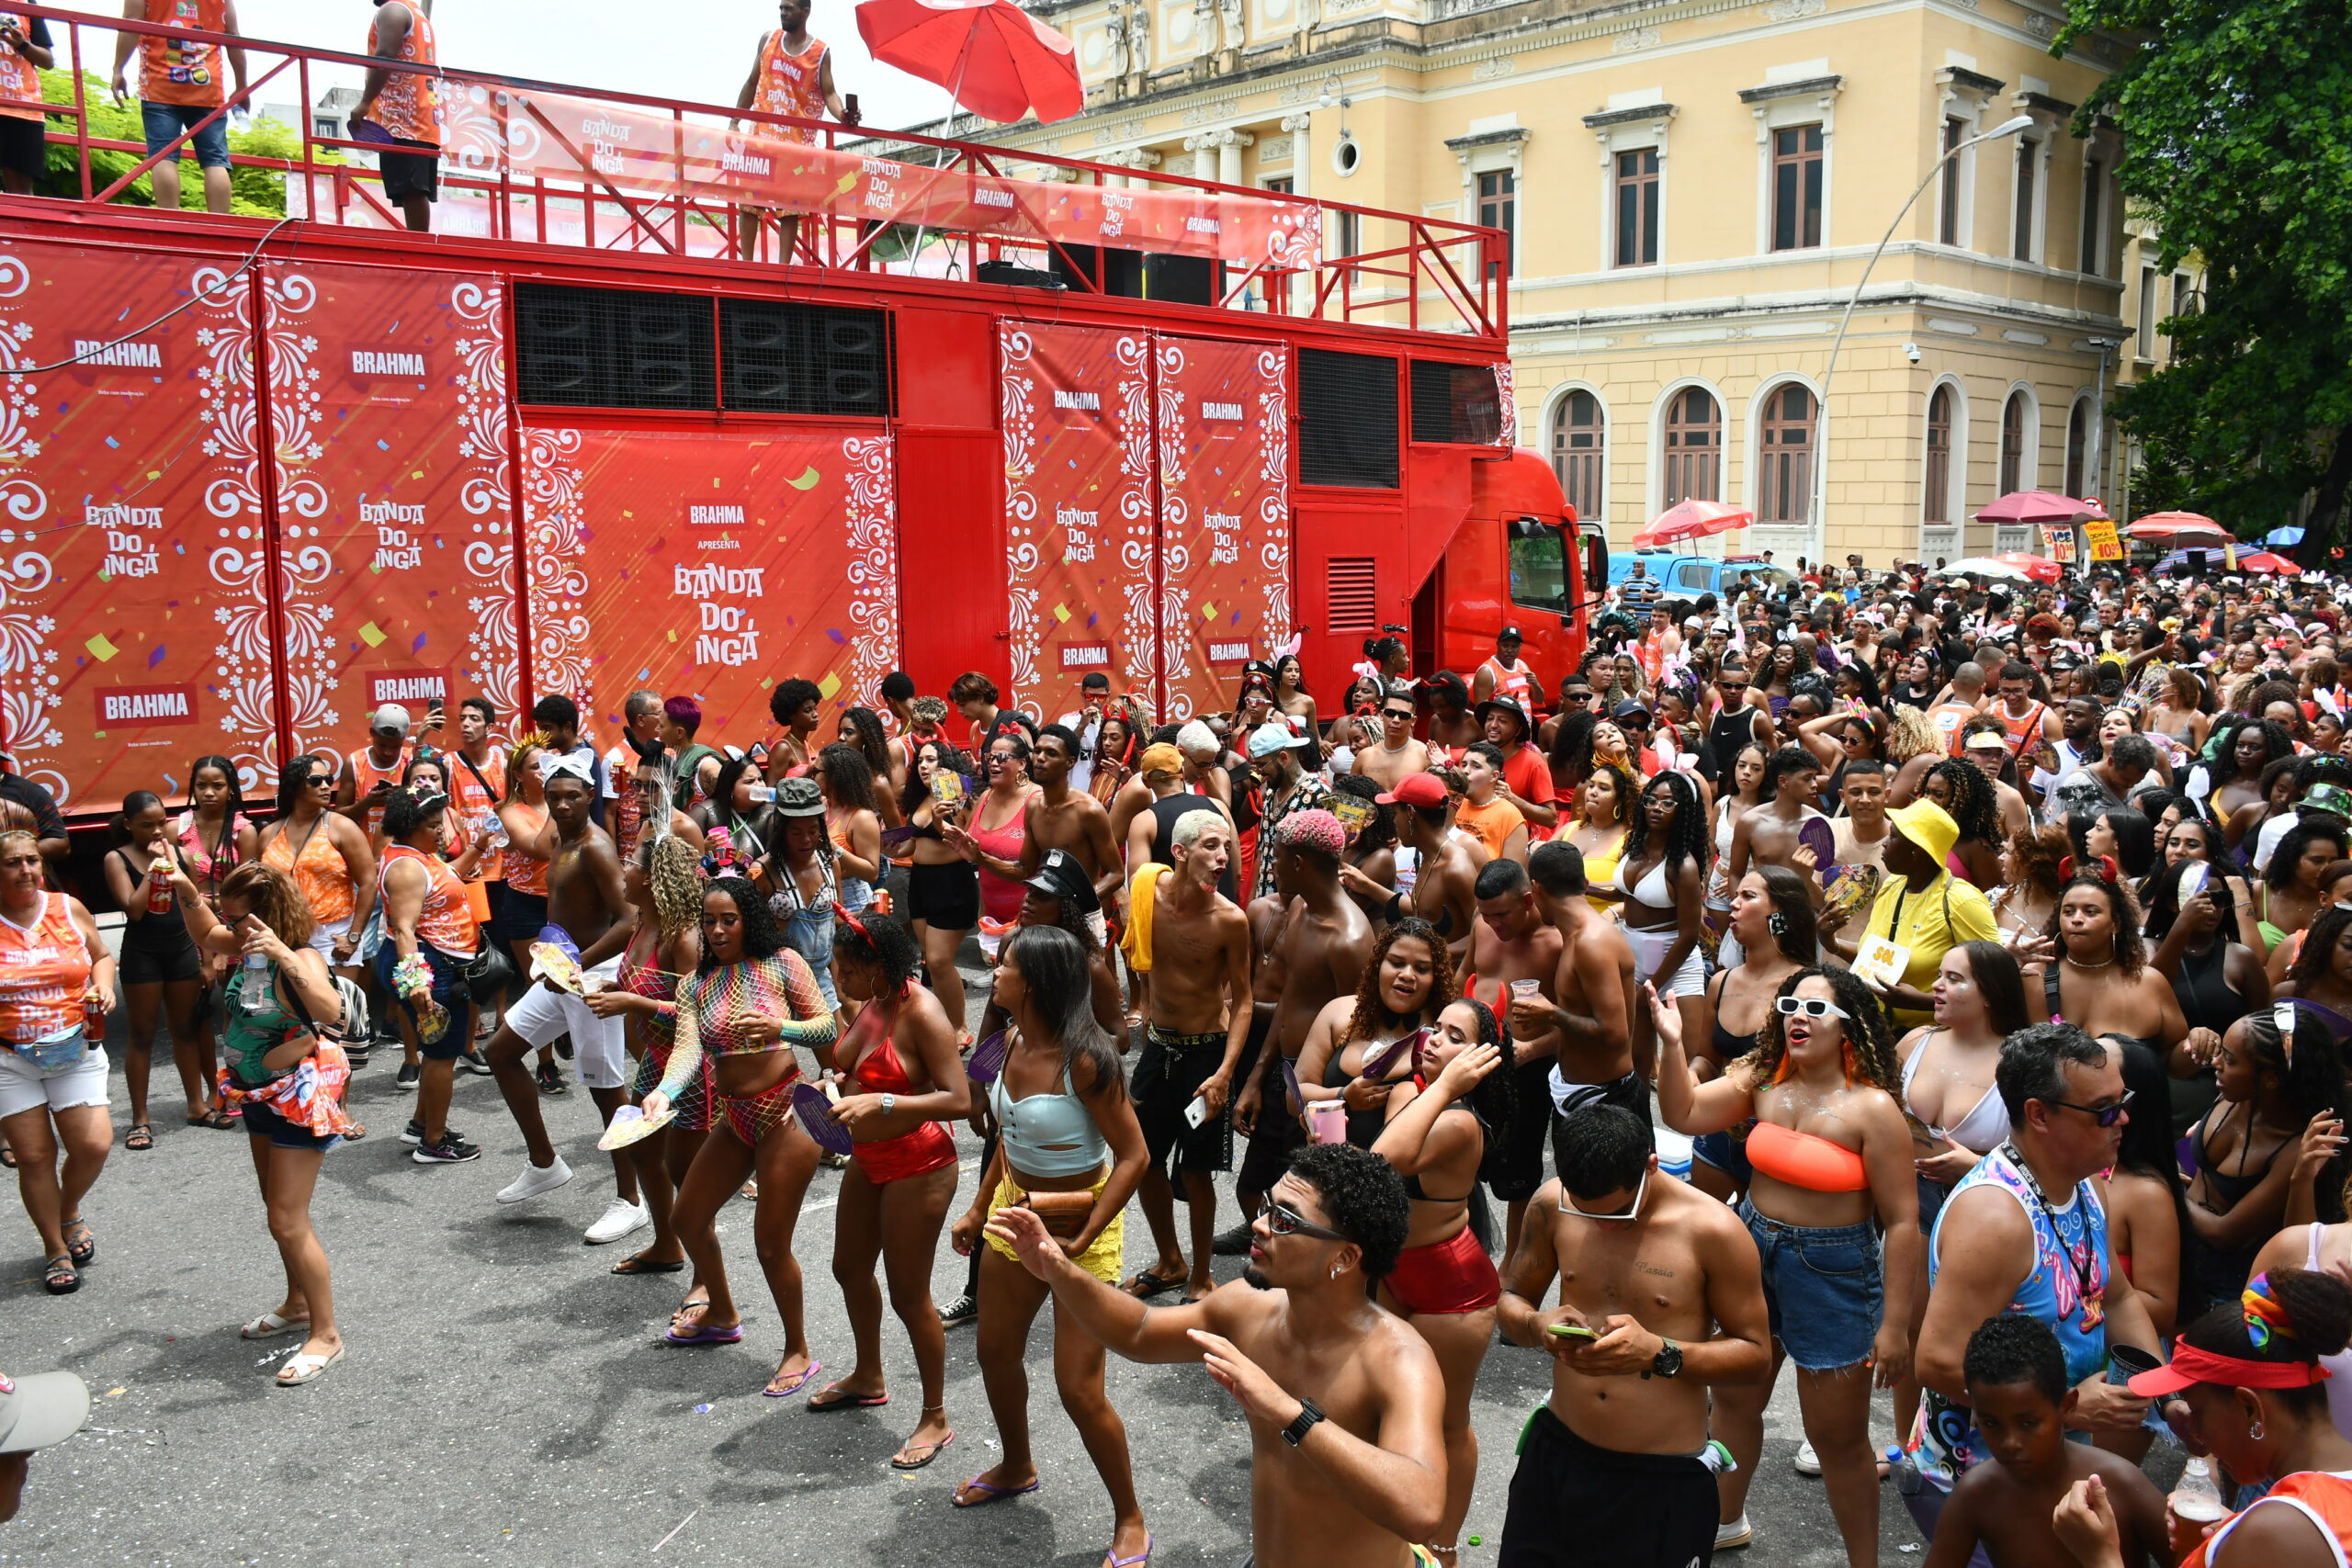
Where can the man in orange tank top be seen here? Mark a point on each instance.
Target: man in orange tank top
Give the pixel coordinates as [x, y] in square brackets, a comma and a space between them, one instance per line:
[792, 74]
[180, 89]
[372, 774]
[407, 105]
[24, 141]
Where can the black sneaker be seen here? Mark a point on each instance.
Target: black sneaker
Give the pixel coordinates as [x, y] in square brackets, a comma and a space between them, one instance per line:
[414, 1133]
[406, 1077]
[551, 1081]
[963, 1309]
[1234, 1243]
[475, 1062]
[451, 1150]
[563, 1046]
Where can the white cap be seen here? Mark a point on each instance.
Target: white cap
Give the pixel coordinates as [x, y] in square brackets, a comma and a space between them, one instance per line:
[391, 716]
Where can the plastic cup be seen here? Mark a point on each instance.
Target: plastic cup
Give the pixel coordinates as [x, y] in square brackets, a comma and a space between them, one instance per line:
[1327, 1122]
[2125, 1362]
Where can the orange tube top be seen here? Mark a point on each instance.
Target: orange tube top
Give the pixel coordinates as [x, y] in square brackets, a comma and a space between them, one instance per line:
[1806, 1160]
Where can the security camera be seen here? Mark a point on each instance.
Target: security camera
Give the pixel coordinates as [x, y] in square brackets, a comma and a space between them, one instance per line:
[1911, 352]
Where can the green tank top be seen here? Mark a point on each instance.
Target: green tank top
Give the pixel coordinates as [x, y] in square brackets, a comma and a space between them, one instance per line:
[247, 1037]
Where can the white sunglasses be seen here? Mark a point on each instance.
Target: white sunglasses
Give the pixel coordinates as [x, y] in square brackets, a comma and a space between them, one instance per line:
[1812, 1007]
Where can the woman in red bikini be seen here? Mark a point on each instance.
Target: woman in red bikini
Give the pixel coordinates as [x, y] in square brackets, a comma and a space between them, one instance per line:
[749, 1002]
[1833, 1171]
[1442, 1128]
[900, 1077]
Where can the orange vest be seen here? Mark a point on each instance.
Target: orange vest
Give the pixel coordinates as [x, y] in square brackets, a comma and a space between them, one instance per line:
[1513, 680]
[474, 803]
[176, 71]
[366, 775]
[2322, 1497]
[19, 81]
[527, 873]
[44, 969]
[410, 106]
[447, 919]
[321, 873]
[1947, 718]
[791, 83]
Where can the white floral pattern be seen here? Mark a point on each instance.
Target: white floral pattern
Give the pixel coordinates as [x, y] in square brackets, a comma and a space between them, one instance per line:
[873, 526]
[487, 492]
[555, 579]
[1025, 555]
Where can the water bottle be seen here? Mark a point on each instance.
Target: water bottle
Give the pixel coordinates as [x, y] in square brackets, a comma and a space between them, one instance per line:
[254, 992]
[497, 826]
[2196, 1500]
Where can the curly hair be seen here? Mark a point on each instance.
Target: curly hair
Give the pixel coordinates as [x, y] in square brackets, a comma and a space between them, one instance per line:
[1799, 936]
[1379, 829]
[884, 945]
[1370, 1015]
[950, 759]
[873, 740]
[675, 873]
[1976, 805]
[929, 712]
[1363, 1196]
[404, 813]
[290, 779]
[1571, 756]
[848, 777]
[274, 900]
[2222, 747]
[1913, 734]
[1870, 1046]
[2039, 853]
[1624, 784]
[1783, 763]
[2130, 951]
[762, 938]
[1686, 836]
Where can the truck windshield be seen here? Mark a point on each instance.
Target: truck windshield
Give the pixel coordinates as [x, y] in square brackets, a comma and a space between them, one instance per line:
[1539, 566]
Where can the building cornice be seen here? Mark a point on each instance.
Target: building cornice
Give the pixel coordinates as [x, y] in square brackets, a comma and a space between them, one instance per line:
[1809, 87]
[1629, 117]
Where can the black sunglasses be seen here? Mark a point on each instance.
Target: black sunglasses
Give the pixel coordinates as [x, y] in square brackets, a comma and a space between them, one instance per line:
[2105, 1115]
[1283, 1220]
[1396, 712]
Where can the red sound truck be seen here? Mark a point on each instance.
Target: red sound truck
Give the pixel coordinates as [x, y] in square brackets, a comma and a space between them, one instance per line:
[259, 477]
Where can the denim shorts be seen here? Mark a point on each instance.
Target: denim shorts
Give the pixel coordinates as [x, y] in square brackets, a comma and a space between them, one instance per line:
[1726, 1154]
[448, 989]
[165, 122]
[1822, 1286]
[265, 1122]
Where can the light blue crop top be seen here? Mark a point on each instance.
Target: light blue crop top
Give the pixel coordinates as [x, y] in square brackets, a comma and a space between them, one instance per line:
[1049, 1135]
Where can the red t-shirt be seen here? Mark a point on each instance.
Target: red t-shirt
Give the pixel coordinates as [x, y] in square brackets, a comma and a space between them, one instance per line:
[1529, 775]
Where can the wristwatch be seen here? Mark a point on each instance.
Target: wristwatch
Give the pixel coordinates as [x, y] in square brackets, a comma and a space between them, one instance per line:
[1668, 1360]
[1309, 1413]
[890, 1103]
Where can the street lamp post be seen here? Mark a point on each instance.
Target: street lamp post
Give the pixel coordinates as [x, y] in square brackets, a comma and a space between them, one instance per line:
[1821, 414]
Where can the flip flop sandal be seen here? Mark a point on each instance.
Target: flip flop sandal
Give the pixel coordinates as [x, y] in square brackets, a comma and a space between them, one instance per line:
[703, 1335]
[848, 1401]
[141, 1138]
[306, 1368]
[1152, 1285]
[796, 1385]
[269, 1325]
[84, 1250]
[690, 1312]
[1112, 1560]
[216, 1119]
[637, 1263]
[995, 1493]
[59, 1277]
[899, 1462]
[8, 1157]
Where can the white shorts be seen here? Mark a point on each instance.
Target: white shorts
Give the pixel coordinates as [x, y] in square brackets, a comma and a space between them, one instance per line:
[599, 1044]
[323, 937]
[1649, 951]
[24, 1087]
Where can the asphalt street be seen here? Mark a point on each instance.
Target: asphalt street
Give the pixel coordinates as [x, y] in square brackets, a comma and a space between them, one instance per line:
[504, 1399]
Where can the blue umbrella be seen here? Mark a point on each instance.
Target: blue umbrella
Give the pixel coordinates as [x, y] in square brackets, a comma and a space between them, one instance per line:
[2283, 537]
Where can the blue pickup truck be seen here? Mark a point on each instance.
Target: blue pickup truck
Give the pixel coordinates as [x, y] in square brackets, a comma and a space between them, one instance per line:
[1680, 579]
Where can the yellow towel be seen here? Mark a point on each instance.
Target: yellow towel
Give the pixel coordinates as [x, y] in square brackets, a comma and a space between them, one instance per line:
[1136, 942]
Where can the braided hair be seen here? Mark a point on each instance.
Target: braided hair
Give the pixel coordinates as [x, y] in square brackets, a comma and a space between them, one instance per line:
[1370, 1014]
[1686, 836]
[1870, 1051]
[1975, 806]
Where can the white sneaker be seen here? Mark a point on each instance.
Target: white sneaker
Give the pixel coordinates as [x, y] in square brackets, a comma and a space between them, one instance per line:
[620, 1219]
[1735, 1535]
[535, 1181]
[1807, 1462]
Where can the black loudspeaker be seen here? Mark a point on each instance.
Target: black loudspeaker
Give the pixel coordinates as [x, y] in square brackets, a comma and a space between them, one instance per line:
[1122, 270]
[1014, 274]
[1179, 280]
[782, 357]
[613, 348]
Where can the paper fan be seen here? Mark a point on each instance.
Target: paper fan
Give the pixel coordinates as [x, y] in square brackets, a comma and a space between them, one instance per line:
[631, 1125]
[369, 130]
[1290, 1087]
[808, 1103]
[1816, 836]
[1376, 1068]
[987, 1063]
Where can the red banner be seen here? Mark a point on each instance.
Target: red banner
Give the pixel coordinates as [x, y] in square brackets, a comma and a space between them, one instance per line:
[528, 135]
[1224, 435]
[128, 561]
[1077, 524]
[388, 397]
[712, 565]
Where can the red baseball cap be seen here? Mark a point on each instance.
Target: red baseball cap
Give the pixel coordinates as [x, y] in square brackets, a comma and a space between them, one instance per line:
[1415, 789]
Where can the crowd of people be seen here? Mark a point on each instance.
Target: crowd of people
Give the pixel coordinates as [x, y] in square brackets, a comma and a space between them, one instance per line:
[1940, 985]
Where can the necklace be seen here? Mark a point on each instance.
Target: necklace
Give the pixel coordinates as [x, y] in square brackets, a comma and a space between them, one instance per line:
[2082, 1258]
[2080, 964]
[1395, 750]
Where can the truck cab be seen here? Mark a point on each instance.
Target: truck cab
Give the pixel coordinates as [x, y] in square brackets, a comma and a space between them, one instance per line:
[1680, 581]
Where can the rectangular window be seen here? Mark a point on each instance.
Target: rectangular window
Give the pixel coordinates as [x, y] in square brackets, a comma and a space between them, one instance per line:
[2182, 303]
[2146, 347]
[1280, 184]
[2027, 150]
[1796, 187]
[1539, 566]
[1498, 207]
[1637, 193]
[1948, 217]
[2093, 211]
[1350, 231]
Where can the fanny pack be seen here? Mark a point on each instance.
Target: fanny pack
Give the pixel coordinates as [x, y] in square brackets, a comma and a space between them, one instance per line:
[56, 1055]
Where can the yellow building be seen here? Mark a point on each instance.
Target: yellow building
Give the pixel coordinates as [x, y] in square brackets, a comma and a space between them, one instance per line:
[1695, 188]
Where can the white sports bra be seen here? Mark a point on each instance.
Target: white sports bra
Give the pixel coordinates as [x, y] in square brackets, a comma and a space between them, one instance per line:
[1981, 1130]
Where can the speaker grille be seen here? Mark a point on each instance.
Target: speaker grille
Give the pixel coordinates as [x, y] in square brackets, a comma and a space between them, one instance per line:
[787, 358]
[1346, 410]
[620, 348]
[1456, 403]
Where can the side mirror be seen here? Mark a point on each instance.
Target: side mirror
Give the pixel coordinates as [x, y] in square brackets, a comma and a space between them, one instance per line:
[1596, 565]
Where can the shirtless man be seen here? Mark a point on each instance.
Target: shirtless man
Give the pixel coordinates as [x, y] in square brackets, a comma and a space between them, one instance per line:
[1451, 724]
[1592, 998]
[1160, 773]
[1767, 835]
[1666, 1284]
[584, 898]
[1397, 753]
[1447, 868]
[1345, 1402]
[1318, 954]
[1195, 944]
[1511, 942]
[1060, 817]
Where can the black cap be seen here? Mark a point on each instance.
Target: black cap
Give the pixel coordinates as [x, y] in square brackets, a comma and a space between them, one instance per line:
[1508, 633]
[1060, 877]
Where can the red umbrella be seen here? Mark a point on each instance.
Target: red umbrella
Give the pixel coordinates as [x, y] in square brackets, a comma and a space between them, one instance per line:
[2263, 561]
[1693, 520]
[2160, 527]
[2041, 568]
[992, 56]
[2040, 506]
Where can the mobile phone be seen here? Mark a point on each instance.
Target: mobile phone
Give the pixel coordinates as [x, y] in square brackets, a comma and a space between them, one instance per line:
[1572, 1331]
[848, 102]
[1197, 1112]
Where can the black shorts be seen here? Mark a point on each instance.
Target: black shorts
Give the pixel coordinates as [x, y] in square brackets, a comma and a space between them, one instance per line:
[1280, 1133]
[517, 916]
[1513, 1169]
[410, 174]
[24, 146]
[947, 896]
[1573, 1503]
[1629, 1091]
[162, 963]
[1167, 1077]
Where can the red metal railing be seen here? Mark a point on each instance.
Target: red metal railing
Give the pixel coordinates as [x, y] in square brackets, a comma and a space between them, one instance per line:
[1438, 275]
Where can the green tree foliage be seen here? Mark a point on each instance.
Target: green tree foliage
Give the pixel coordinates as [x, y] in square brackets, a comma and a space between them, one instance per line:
[253, 193]
[2237, 126]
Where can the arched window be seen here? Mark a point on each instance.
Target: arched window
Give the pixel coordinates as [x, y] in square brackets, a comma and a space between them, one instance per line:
[1785, 484]
[1695, 448]
[1939, 475]
[2014, 415]
[2078, 428]
[1577, 443]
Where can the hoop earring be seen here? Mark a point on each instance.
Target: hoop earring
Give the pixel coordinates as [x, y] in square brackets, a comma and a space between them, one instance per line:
[2253, 1434]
